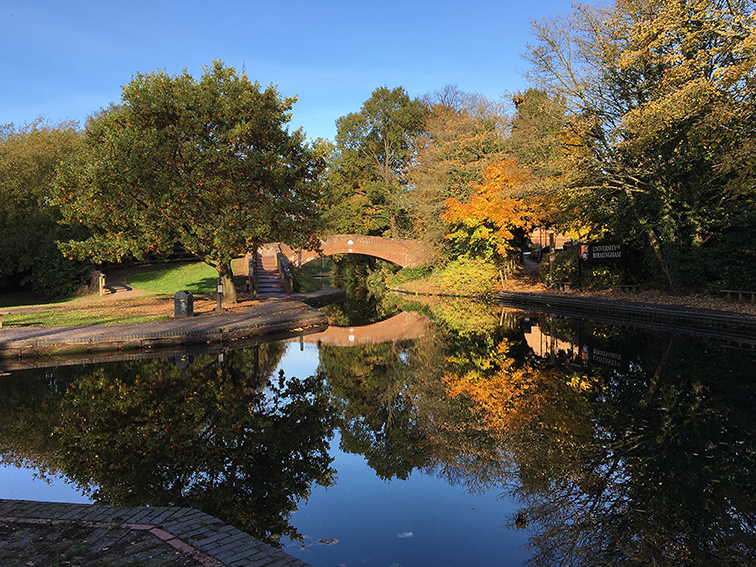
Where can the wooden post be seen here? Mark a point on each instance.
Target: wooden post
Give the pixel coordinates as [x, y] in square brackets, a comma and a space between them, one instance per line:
[552, 252]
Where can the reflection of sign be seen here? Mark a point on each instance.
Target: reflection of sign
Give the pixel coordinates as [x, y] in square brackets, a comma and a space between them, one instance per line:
[604, 252]
[601, 355]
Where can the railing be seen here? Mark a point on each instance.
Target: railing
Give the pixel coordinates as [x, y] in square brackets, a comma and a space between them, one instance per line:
[284, 268]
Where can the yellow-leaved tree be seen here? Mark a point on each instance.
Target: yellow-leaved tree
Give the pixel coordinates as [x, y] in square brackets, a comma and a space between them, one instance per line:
[494, 222]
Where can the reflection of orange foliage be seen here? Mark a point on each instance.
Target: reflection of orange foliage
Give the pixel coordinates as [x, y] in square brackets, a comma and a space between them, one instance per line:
[510, 398]
[491, 214]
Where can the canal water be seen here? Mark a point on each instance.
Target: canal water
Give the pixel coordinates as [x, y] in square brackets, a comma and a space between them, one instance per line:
[435, 433]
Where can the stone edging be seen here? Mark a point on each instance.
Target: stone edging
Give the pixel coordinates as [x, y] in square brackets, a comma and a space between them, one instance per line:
[295, 313]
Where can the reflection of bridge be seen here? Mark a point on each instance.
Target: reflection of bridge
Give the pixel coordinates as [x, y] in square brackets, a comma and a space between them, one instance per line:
[402, 326]
[399, 251]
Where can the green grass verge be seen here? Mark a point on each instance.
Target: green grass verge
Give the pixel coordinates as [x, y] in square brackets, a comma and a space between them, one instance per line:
[63, 318]
[411, 274]
[198, 278]
[305, 282]
[13, 301]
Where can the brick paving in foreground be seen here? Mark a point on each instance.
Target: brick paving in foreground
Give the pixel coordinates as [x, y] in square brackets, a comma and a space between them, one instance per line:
[100, 535]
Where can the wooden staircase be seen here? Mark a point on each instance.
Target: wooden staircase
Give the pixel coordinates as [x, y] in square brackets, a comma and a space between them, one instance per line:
[269, 282]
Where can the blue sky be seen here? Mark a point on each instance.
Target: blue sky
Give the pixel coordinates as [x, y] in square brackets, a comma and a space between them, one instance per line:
[65, 59]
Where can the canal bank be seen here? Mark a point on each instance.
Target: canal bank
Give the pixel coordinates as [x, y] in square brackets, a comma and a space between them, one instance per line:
[676, 318]
[292, 314]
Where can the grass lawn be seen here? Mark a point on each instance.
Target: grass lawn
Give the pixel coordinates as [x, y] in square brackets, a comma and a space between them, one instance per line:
[64, 318]
[33, 300]
[199, 278]
[162, 281]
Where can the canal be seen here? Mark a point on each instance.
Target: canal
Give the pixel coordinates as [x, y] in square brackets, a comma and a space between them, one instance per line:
[432, 432]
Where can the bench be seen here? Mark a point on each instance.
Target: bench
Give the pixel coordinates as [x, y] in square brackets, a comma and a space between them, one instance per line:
[629, 287]
[562, 286]
[740, 296]
[1, 317]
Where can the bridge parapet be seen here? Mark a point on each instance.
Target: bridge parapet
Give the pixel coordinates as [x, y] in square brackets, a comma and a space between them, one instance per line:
[402, 252]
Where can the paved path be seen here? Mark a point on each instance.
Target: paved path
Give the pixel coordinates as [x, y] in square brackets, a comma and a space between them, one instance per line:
[294, 313]
[41, 533]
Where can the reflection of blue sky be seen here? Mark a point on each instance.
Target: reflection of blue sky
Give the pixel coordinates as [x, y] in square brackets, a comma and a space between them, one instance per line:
[367, 515]
[371, 519]
[25, 484]
[300, 360]
[364, 513]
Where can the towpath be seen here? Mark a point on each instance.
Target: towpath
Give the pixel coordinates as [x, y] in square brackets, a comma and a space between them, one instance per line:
[294, 313]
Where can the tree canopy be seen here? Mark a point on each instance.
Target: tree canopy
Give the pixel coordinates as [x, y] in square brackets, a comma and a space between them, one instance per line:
[29, 156]
[661, 131]
[370, 161]
[207, 165]
[463, 134]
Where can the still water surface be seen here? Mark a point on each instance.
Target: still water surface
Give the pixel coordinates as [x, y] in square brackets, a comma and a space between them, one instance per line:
[478, 436]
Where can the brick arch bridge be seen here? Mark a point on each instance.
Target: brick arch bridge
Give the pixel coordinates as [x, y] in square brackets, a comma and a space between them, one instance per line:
[402, 252]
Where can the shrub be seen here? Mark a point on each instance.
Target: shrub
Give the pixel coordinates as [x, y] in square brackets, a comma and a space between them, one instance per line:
[592, 276]
[411, 274]
[466, 276]
[304, 281]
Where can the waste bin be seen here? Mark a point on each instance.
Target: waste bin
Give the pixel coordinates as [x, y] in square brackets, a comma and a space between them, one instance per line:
[183, 304]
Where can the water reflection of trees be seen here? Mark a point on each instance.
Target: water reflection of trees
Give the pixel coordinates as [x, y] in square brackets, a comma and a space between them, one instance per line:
[650, 462]
[370, 385]
[223, 436]
[669, 474]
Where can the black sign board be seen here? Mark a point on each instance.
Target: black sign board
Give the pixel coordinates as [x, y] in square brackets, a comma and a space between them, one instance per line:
[602, 252]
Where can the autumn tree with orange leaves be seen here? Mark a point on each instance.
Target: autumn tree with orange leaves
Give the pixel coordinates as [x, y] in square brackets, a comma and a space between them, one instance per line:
[494, 222]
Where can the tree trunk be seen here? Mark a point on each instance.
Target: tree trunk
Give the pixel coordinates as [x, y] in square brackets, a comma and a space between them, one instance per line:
[227, 279]
[653, 240]
[659, 255]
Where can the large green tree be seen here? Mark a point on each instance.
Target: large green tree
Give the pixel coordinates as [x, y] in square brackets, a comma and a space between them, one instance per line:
[662, 100]
[536, 136]
[463, 134]
[209, 165]
[29, 156]
[370, 161]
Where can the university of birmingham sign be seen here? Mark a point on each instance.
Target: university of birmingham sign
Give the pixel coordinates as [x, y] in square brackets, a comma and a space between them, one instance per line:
[602, 253]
